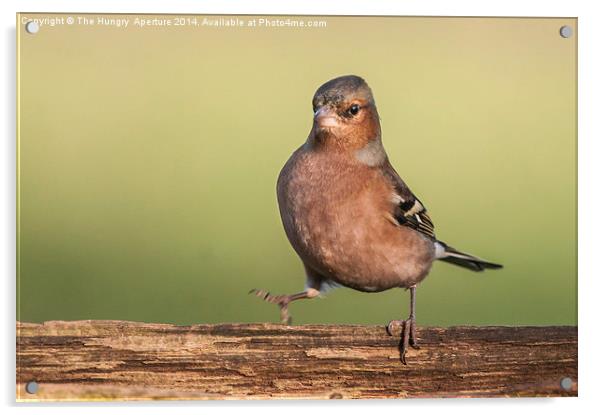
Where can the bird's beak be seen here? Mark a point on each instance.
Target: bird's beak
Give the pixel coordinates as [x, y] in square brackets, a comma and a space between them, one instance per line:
[325, 117]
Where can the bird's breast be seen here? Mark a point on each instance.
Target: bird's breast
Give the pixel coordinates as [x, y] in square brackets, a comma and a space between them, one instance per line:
[335, 216]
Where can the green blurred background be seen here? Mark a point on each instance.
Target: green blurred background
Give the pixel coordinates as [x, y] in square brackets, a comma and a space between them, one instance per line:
[148, 160]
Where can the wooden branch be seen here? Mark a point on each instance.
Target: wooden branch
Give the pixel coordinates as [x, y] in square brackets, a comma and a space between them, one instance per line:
[101, 360]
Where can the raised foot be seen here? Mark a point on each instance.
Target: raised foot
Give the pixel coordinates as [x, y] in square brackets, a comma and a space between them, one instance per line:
[407, 335]
[282, 301]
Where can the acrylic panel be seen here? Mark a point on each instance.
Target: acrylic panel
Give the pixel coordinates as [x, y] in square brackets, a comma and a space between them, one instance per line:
[149, 206]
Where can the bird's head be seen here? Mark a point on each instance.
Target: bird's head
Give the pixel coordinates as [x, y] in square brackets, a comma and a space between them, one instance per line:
[345, 114]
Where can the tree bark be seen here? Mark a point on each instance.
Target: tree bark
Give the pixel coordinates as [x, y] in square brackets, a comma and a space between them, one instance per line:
[105, 360]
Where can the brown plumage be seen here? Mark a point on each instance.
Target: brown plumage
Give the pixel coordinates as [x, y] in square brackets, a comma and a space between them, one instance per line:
[347, 213]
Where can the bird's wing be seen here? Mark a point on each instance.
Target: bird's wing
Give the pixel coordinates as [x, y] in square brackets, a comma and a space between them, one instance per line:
[409, 211]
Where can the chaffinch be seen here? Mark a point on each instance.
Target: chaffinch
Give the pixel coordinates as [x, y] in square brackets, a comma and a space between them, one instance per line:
[349, 216]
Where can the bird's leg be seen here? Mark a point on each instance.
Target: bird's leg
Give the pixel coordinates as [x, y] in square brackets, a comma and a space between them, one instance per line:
[284, 300]
[408, 328]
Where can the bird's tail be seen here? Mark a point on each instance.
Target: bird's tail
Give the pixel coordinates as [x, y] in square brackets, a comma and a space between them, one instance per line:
[453, 256]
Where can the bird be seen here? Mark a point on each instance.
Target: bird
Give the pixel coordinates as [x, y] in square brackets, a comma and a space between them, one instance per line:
[348, 214]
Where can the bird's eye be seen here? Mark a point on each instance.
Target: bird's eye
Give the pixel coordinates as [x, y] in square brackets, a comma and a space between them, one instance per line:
[354, 109]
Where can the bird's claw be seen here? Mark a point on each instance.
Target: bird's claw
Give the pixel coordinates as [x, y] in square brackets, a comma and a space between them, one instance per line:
[407, 335]
[282, 301]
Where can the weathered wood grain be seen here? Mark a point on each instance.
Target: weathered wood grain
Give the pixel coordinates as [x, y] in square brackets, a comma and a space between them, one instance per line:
[100, 360]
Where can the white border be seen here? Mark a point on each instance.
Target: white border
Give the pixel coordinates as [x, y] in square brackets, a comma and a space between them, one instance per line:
[590, 275]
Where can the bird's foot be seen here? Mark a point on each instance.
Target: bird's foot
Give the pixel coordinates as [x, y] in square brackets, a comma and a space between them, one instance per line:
[282, 301]
[407, 336]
